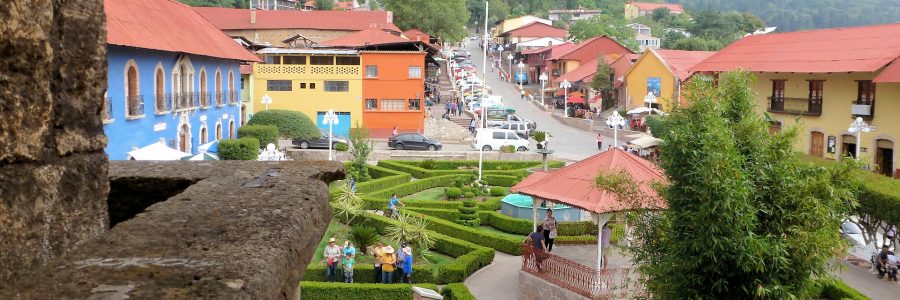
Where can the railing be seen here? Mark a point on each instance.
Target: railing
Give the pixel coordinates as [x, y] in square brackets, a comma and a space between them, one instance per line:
[107, 110]
[135, 105]
[161, 103]
[219, 101]
[205, 99]
[180, 101]
[233, 97]
[586, 281]
[796, 106]
[195, 97]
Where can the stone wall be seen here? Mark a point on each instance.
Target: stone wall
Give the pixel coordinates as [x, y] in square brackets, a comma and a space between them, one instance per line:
[52, 165]
[533, 288]
[446, 131]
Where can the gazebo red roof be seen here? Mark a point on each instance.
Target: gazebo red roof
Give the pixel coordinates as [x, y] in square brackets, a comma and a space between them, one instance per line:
[575, 186]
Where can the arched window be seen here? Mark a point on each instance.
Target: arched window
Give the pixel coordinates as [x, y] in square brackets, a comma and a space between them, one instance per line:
[160, 90]
[218, 88]
[231, 129]
[203, 135]
[232, 94]
[204, 93]
[133, 103]
[184, 138]
[183, 83]
[218, 131]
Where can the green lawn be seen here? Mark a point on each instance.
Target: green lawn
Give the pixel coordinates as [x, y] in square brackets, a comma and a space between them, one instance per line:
[429, 194]
[503, 233]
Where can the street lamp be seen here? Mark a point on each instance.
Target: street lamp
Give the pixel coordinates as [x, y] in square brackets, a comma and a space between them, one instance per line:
[543, 80]
[858, 127]
[650, 99]
[615, 121]
[500, 57]
[331, 119]
[483, 86]
[565, 85]
[521, 75]
[509, 67]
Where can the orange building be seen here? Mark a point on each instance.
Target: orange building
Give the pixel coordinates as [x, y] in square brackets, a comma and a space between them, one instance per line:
[393, 91]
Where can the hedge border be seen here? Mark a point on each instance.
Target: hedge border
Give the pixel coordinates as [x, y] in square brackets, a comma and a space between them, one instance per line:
[311, 290]
[418, 172]
[457, 291]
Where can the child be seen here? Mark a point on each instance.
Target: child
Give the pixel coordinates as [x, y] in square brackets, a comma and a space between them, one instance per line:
[348, 263]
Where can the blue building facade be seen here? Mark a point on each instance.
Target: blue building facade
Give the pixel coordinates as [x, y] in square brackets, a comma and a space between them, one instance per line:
[184, 100]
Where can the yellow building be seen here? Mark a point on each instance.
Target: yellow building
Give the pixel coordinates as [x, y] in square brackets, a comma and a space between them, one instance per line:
[821, 80]
[513, 23]
[312, 82]
[642, 9]
[661, 73]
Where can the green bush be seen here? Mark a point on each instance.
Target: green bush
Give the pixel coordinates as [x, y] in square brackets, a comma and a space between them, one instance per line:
[357, 291]
[500, 180]
[457, 291]
[453, 192]
[499, 242]
[508, 149]
[291, 124]
[240, 149]
[341, 147]
[498, 191]
[523, 227]
[467, 210]
[363, 236]
[836, 289]
[469, 195]
[446, 214]
[467, 189]
[509, 168]
[266, 134]
[428, 164]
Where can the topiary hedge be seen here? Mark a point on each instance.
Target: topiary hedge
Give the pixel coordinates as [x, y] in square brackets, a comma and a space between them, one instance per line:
[508, 168]
[413, 187]
[498, 191]
[480, 237]
[453, 192]
[239, 149]
[500, 180]
[457, 291]
[357, 291]
[365, 273]
[838, 290]
[291, 124]
[266, 134]
[522, 226]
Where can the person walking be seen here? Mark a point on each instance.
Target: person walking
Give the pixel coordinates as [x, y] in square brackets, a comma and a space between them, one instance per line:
[377, 254]
[536, 241]
[348, 263]
[472, 126]
[522, 94]
[407, 254]
[392, 205]
[332, 254]
[387, 265]
[600, 141]
[549, 230]
[605, 232]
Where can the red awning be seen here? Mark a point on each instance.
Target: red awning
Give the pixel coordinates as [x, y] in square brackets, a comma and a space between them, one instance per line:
[576, 99]
[575, 186]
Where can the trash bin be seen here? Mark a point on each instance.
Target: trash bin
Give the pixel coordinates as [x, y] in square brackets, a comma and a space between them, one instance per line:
[425, 294]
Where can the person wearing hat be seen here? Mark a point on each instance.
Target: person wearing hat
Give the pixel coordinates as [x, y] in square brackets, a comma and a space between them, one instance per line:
[377, 254]
[406, 253]
[332, 255]
[387, 264]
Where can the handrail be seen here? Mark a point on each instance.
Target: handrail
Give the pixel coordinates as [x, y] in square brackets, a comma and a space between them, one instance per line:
[614, 283]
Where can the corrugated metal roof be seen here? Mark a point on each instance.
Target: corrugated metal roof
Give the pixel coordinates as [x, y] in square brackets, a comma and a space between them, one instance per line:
[167, 25]
[542, 49]
[853, 49]
[232, 18]
[574, 185]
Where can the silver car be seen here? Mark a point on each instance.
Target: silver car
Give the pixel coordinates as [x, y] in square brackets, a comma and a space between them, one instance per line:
[521, 128]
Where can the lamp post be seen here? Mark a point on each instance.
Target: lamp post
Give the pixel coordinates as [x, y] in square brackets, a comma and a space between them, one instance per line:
[509, 67]
[858, 127]
[521, 73]
[543, 80]
[266, 100]
[331, 119]
[483, 86]
[565, 85]
[499, 57]
[615, 121]
[650, 99]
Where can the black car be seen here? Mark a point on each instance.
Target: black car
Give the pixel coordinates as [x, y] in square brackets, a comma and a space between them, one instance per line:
[321, 143]
[413, 141]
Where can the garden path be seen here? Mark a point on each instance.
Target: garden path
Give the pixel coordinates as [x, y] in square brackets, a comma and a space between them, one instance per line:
[499, 280]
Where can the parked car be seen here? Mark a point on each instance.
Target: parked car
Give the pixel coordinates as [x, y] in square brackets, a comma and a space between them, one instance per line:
[488, 139]
[494, 120]
[851, 232]
[413, 141]
[521, 128]
[319, 143]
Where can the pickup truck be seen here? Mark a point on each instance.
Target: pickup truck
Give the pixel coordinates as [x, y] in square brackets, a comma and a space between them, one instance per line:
[493, 121]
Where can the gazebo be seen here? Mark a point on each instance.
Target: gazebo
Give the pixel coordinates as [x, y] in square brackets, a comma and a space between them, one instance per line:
[575, 186]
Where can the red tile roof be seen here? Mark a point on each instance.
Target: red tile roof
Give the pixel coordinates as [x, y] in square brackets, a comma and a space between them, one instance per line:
[233, 18]
[854, 49]
[585, 72]
[591, 48]
[411, 34]
[890, 74]
[538, 29]
[366, 37]
[680, 61]
[622, 65]
[167, 25]
[654, 6]
[574, 185]
[542, 49]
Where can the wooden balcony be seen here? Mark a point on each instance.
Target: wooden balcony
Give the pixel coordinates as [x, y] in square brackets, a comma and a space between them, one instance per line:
[795, 106]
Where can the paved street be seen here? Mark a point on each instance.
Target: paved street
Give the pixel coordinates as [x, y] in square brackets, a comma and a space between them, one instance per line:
[568, 142]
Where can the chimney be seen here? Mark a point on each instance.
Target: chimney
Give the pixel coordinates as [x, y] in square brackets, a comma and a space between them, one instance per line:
[252, 16]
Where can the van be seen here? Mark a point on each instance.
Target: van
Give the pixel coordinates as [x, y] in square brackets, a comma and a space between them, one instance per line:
[521, 128]
[489, 139]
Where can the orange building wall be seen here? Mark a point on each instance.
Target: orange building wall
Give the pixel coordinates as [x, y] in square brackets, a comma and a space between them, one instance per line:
[393, 82]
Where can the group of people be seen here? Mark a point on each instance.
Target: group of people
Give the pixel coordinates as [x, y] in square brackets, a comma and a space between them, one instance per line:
[886, 262]
[386, 262]
[542, 239]
[454, 108]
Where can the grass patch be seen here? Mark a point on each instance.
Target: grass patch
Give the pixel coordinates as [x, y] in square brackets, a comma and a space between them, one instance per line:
[429, 194]
[500, 232]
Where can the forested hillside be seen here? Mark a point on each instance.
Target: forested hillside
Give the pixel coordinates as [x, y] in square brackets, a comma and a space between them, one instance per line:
[792, 15]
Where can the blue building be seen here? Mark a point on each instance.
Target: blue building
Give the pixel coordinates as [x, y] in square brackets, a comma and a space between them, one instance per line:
[172, 77]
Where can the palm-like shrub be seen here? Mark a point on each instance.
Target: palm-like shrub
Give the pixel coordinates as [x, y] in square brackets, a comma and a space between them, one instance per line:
[363, 236]
[412, 229]
[347, 204]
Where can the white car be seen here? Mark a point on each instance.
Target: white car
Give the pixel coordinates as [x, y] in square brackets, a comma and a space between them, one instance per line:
[489, 139]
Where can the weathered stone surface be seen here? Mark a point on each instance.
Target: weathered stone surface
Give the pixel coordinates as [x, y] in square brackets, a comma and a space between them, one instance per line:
[52, 166]
[215, 240]
[446, 131]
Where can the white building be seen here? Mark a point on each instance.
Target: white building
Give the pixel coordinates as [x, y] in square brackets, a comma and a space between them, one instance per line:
[572, 14]
[640, 28]
[647, 42]
[274, 4]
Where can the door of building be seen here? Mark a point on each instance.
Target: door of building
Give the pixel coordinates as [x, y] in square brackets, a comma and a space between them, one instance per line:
[884, 157]
[817, 144]
[848, 146]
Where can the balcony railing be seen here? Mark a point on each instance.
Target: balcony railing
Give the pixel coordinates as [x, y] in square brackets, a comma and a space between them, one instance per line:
[195, 97]
[135, 105]
[233, 97]
[581, 279]
[107, 110]
[205, 99]
[219, 99]
[862, 109]
[796, 106]
[162, 104]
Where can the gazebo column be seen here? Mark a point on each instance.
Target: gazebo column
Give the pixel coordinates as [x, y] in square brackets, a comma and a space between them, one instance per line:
[601, 219]
[534, 205]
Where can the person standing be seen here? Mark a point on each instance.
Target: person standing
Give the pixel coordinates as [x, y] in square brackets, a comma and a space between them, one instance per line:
[377, 254]
[472, 126]
[536, 240]
[600, 141]
[348, 263]
[349, 248]
[394, 132]
[387, 265]
[605, 232]
[332, 254]
[407, 254]
[549, 230]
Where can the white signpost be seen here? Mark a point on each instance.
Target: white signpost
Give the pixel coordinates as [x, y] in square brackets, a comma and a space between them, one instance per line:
[266, 100]
[331, 119]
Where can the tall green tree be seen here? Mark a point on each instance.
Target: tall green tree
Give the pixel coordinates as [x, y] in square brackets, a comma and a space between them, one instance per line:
[324, 4]
[808, 14]
[746, 219]
[603, 24]
[603, 79]
[446, 18]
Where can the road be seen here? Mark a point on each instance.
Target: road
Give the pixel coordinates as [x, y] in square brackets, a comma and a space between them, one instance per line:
[568, 142]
